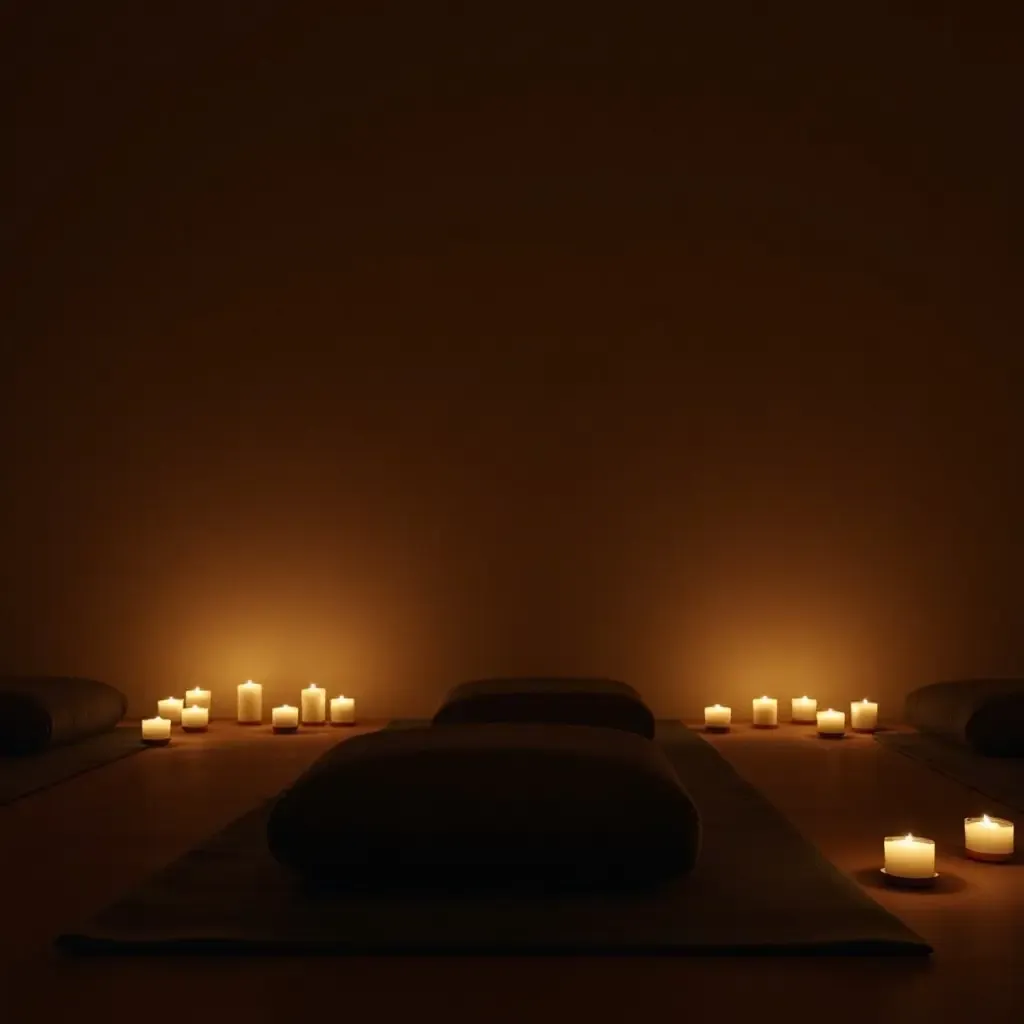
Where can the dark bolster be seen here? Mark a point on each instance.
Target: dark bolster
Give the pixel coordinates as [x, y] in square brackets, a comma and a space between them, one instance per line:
[985, 714]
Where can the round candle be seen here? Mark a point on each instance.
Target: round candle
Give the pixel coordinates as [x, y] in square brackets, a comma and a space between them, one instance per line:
[169, 708]
[195, 718]
[831, 723]
[804, 709]
[314, 701]
[766, 712]
[988, 838]
[909, 857]
[285, 717]
[863, 715]
[198, 698]
[250, 703]
[717, 717]
[156, 730]
[343, 710]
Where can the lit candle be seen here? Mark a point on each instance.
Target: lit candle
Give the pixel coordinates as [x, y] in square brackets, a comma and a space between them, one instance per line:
[314, 701]
[766, 712]
[804, 709]
[831, 724]
[343, 711]
[169, 708]
[198, 698]
[909, 857]
[250, 703]
[717, 717]
[863, 715]
[285, 718]
[156, 732]
[988, 838]
[195, 718]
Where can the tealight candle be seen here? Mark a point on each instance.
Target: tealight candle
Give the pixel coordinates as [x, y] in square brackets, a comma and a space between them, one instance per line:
[909, 858]
[314, 699]
[156, 732]
[195, 718]
[285, 718]
[169, 708]
[863, 715]
[250, 703]
[717, 717]
[198, 698]
[766, 712]
[831, 724]
[343, 711]
[804, 709]
[988, 838]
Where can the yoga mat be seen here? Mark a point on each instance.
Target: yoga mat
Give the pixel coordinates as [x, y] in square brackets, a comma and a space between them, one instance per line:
[22, 776]
[1001, 778]
[759, 888]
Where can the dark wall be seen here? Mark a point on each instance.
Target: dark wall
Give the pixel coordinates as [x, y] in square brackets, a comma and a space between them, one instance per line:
[384, 345]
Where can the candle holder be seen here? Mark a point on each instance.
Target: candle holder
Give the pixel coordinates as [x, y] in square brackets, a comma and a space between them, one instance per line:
[831, 735]
[990, 858]
[286, 728]
[195, 728]
[156, 743]
[900, 882]
[340, 725]
[717, 728]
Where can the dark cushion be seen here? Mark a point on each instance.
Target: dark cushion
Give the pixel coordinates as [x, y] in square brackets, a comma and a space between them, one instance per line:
[492, 806]
[985, 714]
[606, 703]
[37, 712]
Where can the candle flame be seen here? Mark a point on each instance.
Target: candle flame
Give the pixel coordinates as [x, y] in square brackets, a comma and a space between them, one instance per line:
[249, 682]
[908, 838]
[986, 820]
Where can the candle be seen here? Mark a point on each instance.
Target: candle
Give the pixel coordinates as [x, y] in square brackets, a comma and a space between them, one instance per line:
[343, 711]
[804, 709]
[156, 732]
[909, 857]
[250, 703]
[988, 838]
[314, 699]
[766, 712]
[831, 724]
[285, 718]
[198, 698]
[195, 718]
[717, 717]
[863, 715]
[169, 708]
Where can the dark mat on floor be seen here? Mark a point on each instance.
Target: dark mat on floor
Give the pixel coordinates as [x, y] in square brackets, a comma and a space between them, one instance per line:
[22, 776]
[1001, 778]
[759, 888]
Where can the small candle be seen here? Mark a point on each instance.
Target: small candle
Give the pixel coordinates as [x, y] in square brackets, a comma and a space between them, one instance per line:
[831, 723]
[343, 711]
[250, 703]
[195, 718]
[804, 709]
[169, 708]
[863, 715]
[156, 732]
[766, 712]
[988, 838]
[909, 857]
[314, 700]
[198, 698]
[285, 718]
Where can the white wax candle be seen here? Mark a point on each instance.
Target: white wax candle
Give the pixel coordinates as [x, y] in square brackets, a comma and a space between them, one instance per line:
[831, 723]
[198, 698]
[804, 709]
[343, 710]
[250, 702]
[156, 730]
[314, 705]
[863, 715]
[909, 857]
[195, 717]
[169, 708]
[989, 837]
[717, 717]
[766, 711]
[285, 717]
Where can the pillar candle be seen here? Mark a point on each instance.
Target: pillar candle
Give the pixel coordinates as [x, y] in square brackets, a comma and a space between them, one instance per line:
[863, 715]
[909, 857]
[766, 712]
[831, 723]
[250, 703]
[169, 708]
[717, 717]
[285, 718]
[988, 838]
[314, 700]
[198, 698]
[156, 731]
[343, 711]
[804, 709]
[195, 718]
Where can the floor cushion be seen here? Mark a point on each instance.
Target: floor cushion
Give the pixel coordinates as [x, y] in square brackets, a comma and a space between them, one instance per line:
[985, 714]
[38, 712]
[607, 703]
[488, 806]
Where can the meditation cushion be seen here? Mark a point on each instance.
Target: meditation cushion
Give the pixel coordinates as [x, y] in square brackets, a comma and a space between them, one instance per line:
[488, 806]
[568, 701]
[37, 712]
[985, 714]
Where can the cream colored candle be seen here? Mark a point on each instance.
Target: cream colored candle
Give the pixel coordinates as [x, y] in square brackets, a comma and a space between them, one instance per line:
[314, 705]
[198, 698]
[250, 703]
[285, 718]
[343, 711]
[988, 838]
[156, 731]
[831, 723]
[804, 709]
[717, 717]
[195, 718]
[766, 712]
[909, 857]
[169, 708]
[863, 715]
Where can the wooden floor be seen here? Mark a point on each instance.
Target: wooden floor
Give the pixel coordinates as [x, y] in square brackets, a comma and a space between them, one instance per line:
[69, 850]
